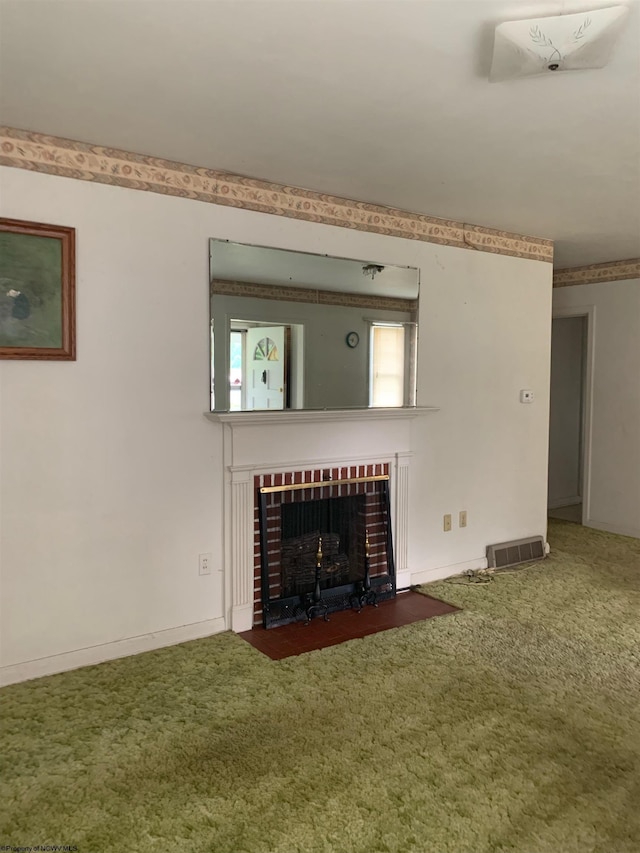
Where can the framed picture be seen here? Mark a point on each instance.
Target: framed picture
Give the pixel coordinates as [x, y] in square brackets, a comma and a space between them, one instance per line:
[37, 291]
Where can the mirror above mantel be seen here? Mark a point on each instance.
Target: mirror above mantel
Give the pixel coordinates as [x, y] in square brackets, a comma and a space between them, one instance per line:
[299, 331]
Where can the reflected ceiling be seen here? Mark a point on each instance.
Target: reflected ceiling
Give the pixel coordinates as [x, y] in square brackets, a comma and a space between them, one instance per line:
[263, 265]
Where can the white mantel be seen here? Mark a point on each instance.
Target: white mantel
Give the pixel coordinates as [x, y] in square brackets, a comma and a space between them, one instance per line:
[317, 415]
[262, 442]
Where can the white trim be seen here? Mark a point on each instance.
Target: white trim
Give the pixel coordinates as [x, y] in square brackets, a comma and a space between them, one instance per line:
[403, 581]
[558, 503]
[108, 651]
[315, 415]
[621, 530]
[441, 572]
[329, 462]
[227, 459]
[242, 617]
[588, 311]
[400, 515]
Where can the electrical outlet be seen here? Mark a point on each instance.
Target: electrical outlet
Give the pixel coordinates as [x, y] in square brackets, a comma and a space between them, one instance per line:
[462, 520]
[447, 523]
[204, 565]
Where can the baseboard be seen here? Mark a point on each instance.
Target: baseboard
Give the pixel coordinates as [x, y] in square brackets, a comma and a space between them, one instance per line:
[559, 503]
[108, 651]
[441, 572]
[622, 530]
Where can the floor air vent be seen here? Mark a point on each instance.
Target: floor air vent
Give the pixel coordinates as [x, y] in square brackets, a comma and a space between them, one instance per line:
[511, 553]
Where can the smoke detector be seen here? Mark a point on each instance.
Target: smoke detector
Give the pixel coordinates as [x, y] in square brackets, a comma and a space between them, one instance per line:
[560, 43]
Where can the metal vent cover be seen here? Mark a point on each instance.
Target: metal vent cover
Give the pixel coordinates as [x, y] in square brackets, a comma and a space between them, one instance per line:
[511, 553]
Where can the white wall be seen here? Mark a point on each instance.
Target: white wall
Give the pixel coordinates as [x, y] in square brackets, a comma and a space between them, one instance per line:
[111, 478]
[484, 334]
[565, 421]
[614, 493]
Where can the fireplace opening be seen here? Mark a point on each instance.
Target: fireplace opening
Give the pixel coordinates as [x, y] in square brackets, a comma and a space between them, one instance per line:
[339, 524]
[326, 544]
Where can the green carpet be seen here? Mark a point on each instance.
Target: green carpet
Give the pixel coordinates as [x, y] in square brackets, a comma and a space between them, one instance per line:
[513, 725]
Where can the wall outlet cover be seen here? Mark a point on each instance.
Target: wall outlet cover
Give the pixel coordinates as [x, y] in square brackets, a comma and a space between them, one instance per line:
[204, 564]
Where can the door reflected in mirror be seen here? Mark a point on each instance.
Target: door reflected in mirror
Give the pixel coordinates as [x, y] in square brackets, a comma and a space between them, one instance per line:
[291, 330]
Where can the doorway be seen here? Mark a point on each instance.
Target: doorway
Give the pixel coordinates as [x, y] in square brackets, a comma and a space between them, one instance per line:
[568, 422]
[265, 366]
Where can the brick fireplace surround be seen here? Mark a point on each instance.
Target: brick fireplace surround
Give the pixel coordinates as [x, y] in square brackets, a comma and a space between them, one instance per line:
[374, 521]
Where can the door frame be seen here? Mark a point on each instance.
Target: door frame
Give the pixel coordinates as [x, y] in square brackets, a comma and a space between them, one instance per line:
[589, 313]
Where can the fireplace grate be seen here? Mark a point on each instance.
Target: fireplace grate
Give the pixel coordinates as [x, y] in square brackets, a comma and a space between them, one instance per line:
[283, 611]
[298, 562]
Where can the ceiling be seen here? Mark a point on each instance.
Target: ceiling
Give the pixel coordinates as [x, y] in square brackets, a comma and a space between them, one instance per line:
[385, 101]
[240, 262]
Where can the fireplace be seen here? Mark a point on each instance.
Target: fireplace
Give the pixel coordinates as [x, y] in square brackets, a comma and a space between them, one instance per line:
[353, 443]
[323, 542]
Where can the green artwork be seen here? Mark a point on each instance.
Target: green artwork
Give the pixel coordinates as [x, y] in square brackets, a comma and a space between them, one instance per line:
[30, 291]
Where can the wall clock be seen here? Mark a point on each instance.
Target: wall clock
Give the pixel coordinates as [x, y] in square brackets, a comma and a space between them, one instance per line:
[353, 339]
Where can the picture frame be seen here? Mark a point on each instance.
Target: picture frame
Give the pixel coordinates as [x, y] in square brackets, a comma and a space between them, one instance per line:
[37, 291]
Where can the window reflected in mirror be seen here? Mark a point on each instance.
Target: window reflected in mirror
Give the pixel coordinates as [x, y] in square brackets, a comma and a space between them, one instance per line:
[387, 365]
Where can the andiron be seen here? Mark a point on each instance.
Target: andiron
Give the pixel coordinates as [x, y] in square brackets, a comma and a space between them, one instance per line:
[316, 604]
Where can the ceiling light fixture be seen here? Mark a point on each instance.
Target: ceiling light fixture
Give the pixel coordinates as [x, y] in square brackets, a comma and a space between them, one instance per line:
[372, 270]
[561, 43]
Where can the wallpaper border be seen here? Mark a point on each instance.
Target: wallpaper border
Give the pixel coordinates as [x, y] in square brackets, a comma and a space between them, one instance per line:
[598, 273]
[291, 293]
[56, 156]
